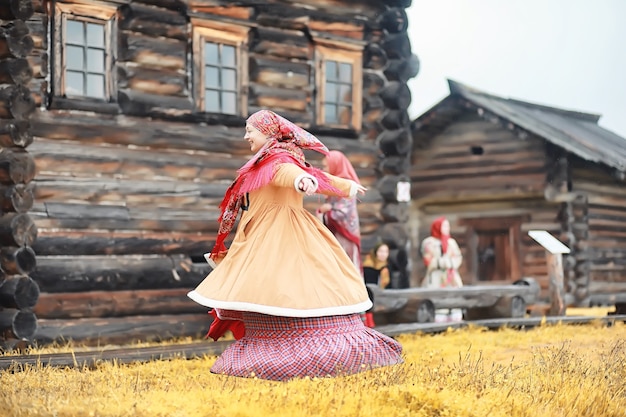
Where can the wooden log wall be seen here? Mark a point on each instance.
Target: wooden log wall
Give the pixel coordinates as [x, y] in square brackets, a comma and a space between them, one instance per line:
[601, 245]
[536, 214]
[470, 166]
[126, 193]
[19, 292]
[388, 65]
[474, 158]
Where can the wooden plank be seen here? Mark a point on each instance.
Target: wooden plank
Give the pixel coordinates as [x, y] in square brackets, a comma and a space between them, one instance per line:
[152, 52]
[91, 304]
[441, 298]
[281, 43]
[279, 98]
[147, 79]
[153, 21]
[121, 330]
[125, 355]
[54, 158]
[279, 72]
[54, 242]
[494, 324]
[61, 274]
[137, 193]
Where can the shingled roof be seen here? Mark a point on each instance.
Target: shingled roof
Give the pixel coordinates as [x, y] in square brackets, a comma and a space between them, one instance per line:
[575, 132]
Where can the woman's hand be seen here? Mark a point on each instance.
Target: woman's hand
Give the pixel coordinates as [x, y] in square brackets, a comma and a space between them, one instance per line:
[360, 189]
[307, 186]
[324, 208]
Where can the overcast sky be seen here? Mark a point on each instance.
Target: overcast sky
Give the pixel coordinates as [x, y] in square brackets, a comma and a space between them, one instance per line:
[562, 53]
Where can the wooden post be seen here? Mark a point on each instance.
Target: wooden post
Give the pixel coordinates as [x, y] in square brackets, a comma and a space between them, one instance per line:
[557, 288]
[554, 256]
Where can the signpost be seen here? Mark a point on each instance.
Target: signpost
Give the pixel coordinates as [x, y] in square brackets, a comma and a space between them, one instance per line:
[554, 256]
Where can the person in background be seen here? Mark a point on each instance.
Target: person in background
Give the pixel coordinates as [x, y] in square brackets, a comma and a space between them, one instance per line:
[285, 279]
[375, 268]
[442, 256]
[340, 213]
[376, 272]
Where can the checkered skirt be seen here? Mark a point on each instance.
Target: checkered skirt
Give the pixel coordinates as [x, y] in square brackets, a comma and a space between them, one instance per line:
[281, 348]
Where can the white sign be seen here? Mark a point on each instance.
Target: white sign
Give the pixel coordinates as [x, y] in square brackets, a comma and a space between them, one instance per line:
[403, 192]
[549, 242]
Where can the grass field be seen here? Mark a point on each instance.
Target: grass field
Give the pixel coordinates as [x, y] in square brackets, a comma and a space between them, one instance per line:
[547, 371]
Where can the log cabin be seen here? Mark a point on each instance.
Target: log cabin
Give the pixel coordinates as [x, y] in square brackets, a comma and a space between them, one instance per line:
[499, 167]
[121, 126]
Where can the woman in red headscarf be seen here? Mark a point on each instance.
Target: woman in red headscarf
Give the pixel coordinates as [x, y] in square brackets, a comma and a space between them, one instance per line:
[442, 257]
[285, 286]
[339, 213]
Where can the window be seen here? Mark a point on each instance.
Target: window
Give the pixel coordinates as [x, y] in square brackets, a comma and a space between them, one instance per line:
[83, 40]
[221, 67]
[339, 85]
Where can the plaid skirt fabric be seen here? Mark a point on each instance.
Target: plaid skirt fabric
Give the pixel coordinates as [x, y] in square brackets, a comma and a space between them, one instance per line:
[281, 348]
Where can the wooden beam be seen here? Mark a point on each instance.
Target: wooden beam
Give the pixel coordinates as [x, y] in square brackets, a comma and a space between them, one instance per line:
[91, 304]
[59, 274]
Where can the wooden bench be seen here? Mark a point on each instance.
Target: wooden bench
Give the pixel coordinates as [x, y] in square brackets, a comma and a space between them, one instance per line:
[411, 305]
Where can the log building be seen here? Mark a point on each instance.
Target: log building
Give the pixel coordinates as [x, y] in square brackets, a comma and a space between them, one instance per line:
[137, 110]
[498, 168]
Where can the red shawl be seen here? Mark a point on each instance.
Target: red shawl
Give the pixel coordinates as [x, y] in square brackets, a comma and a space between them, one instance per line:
[285, 144]
[435, 231]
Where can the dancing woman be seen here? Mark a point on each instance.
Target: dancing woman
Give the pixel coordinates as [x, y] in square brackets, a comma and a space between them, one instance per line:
[285, 280]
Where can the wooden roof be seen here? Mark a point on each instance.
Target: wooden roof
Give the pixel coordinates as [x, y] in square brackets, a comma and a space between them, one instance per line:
[575, 132]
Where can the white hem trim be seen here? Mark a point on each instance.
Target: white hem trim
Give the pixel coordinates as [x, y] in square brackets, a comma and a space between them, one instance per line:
[300, 177]
[280, 311]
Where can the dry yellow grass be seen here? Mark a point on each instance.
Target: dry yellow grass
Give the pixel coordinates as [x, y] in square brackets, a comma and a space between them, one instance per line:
[547, 371]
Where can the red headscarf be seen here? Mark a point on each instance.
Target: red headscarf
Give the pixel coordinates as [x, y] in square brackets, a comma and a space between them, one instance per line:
[435, 231]
[339, 165]
[284, 145]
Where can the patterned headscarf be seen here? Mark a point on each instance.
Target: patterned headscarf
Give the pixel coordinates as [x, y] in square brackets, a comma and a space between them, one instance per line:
[339, 165]
[277, 127]
[435, 231]
[284, 145]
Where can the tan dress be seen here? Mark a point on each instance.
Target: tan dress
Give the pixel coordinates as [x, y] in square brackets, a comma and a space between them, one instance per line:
[283, 261]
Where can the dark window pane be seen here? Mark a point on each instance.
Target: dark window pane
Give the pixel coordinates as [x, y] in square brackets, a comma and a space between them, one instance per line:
[330, 113]
[229, 79]
[74, 83]
[345, 115]
[331, 70]
[95, 85]
[211, 101]
[74, 58]
[95, 60]
[330, 93]
[211, 54]
[229, 103]
[345, 93]
[95, 35]
[345, 72]
[211, 77]
[228, 56]
[74, 32]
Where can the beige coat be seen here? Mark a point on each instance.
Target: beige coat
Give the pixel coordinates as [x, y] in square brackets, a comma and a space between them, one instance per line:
[440, 267]
[283, 261]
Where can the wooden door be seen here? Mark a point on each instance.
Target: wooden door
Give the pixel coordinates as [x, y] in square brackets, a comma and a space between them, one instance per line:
[493, 249]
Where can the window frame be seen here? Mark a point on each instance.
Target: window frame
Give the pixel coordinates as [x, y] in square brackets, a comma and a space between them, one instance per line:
[85, 13]
[224, 34]
[342, 53]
